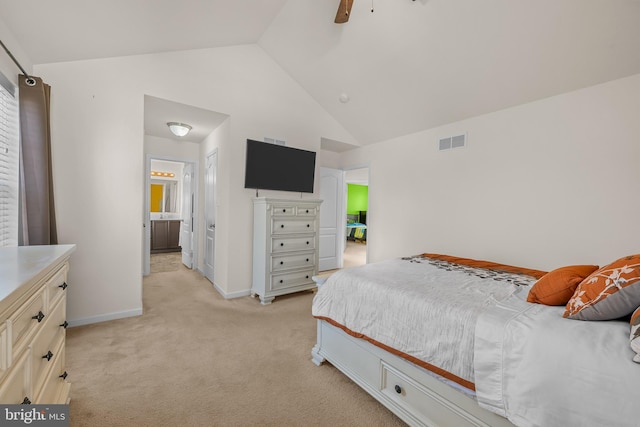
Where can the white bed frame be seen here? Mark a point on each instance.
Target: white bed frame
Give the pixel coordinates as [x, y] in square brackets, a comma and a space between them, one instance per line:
[406, 389]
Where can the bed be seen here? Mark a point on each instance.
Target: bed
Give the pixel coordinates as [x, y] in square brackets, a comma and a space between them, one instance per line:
[356, 227]
[454, 342]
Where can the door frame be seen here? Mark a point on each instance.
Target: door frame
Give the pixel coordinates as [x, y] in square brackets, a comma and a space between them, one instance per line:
[146, 223]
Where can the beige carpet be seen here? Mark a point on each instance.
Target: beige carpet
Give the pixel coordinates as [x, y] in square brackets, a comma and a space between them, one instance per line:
[162, 262]
[355, 253]
[195, 359]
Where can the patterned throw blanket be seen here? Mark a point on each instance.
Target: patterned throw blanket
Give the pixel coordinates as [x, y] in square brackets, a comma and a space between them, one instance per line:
[497, 272]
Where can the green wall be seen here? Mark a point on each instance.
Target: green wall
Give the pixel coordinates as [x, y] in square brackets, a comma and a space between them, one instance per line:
[357, 198]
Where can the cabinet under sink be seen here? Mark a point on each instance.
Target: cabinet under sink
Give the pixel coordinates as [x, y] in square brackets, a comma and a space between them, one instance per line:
[165, 235]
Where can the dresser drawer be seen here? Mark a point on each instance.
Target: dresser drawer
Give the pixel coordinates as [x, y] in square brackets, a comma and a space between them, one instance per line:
[291, 280]
[55, 389]
[15, 387]
[4, 350]
[285, 226]
[24, 322]
[46, 344]
[289, 244]
[414, 397]
[284, 210]
[57, 285]
[306, 211]
[287, 262]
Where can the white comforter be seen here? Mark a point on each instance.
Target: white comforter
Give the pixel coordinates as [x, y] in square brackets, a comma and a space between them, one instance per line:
[414, 307]
[538, 369]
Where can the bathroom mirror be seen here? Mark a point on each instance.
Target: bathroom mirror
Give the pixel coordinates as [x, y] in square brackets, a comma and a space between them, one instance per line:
[164, 195]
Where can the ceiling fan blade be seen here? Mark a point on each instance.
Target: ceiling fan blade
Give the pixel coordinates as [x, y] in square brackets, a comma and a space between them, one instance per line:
[344, 10]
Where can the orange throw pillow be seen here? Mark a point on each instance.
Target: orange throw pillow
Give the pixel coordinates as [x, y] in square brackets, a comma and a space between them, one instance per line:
[557, 286]
[608, 293]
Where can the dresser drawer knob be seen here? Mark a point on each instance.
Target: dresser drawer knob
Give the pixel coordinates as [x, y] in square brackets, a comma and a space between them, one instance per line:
[398, 389]
[307, 259]
[281, 225]
[48, 356]
[38, 316]
[308, 225]
[281, 244]
[281, 262]
[63, 286]
[65, 324]
[64, 375]
[307, 210]
[307, 243]
[26, 401]
[307, 276]
[281, 281]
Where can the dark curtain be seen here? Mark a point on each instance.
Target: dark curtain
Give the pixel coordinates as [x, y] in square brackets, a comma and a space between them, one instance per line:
[38, 221]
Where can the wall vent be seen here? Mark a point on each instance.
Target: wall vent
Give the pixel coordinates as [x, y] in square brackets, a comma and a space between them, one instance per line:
[456, 141]
[274, 141]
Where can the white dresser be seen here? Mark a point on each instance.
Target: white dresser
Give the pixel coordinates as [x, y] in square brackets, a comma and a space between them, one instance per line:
[33, 324]
[285, 246]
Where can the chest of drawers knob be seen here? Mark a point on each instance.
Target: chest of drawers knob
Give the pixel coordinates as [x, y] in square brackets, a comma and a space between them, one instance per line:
[64, 325]
[26, 401]
[38, 317]
[48, 356]
[63, 286]
[64, 375]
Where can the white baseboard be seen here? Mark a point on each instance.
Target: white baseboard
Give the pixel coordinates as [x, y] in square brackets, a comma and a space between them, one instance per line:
[232, 295]
[105, 317]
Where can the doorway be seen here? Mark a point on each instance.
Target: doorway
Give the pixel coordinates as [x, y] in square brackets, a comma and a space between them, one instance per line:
[340, 245]
[170, 222]
[358, 216]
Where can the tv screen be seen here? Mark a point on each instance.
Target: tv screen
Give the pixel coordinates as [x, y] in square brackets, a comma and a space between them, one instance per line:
[277, 167]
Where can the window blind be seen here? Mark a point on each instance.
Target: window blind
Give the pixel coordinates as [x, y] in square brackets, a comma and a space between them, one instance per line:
[9, 159]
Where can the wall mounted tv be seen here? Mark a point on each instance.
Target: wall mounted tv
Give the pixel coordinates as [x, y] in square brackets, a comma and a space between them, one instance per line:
[277, 167]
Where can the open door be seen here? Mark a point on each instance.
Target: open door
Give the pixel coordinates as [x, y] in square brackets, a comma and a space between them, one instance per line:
[332, 219]
[186, 230]
[210, 215]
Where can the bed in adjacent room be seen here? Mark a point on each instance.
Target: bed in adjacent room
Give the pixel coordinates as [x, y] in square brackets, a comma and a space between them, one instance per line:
[356, 228]
[449, 341]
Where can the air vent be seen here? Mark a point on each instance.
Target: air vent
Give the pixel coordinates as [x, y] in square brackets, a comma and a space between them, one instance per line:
[274, 141]
[457, 141]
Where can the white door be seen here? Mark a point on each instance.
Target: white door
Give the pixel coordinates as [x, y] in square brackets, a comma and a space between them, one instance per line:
[186, 231]
[332, 219]
[210, 214]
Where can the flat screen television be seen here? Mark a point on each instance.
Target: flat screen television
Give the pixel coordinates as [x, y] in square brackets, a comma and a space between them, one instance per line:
[277, 167]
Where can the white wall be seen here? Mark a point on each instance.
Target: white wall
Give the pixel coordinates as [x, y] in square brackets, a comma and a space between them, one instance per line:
[165, 148]
[541, 185]
[7, 66]
[97, 121]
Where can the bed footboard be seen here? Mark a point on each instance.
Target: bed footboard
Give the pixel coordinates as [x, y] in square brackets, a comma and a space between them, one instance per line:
[405, 389]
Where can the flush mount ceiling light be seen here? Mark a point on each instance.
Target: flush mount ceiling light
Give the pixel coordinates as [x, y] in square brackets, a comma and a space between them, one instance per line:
[179, 129]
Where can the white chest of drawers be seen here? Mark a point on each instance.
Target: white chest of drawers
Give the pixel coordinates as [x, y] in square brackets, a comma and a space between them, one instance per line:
[285, 246]
[33, 283]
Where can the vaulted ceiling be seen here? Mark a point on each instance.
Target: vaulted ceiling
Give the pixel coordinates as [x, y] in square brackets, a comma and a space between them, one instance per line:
[405, 67]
